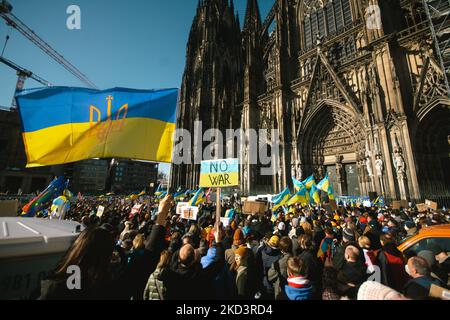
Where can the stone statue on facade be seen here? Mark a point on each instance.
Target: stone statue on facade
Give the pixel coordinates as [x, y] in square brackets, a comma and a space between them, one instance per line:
[339, 168]
[368, 161]
[399, 163]
[379, 165]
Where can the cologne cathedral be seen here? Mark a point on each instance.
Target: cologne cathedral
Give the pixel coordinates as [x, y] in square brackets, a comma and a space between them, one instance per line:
[358, 89]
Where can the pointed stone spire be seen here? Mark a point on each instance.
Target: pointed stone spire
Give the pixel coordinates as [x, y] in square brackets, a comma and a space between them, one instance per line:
[252, 16]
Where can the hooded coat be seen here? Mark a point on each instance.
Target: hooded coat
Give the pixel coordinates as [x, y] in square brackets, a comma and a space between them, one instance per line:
[268, 256]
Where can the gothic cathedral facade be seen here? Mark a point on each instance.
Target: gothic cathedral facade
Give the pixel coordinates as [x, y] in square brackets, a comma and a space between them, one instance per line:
[361, 100]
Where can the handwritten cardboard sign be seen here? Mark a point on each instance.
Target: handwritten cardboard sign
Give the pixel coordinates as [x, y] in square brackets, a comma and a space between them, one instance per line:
[251, 207]
[431, 204]
[189, 213]
[180, 206]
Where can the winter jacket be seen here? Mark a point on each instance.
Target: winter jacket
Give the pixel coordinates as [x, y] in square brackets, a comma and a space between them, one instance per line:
[314, 271]
[268, 256]
[130, 283]
[419, 288]
[352, 273]
[277, 275]
[392, 267]
[298, 288]
[194, 282]
[243, 285]
[155, 289]
[209, 258]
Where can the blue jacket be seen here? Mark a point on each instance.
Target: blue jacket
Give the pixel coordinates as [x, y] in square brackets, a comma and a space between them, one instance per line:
[209, 258]
[298, 293]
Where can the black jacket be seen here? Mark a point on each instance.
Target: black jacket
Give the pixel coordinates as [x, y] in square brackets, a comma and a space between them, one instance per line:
[192, 283]
[419, 288]
[268, 257]
[130, 284]
[314, 270]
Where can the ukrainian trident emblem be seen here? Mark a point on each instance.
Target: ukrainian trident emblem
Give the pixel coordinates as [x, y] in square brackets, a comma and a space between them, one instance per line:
[103, 128]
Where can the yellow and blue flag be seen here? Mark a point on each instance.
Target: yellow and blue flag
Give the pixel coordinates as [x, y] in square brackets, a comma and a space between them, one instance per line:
[283, 199]
[298, 185]
[63, 124]
[198, 198]
[314, 195]
[302, 196]
[309, 182]
[178, 195]
[325, 186]
[162, 195]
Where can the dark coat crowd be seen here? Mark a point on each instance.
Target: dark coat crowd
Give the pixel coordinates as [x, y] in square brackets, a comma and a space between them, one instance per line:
[306, 253]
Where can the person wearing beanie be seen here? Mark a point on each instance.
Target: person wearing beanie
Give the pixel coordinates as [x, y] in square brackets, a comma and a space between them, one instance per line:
[244, 288]
[436, 271]
[281, 229]
[348, 235]
[238, 240]
[277, 274]
[269, 254]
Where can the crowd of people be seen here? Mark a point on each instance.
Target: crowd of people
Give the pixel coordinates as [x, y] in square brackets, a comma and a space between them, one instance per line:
[302, 253]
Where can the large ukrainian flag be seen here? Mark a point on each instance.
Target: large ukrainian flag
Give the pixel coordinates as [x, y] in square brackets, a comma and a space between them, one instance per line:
[63, 125]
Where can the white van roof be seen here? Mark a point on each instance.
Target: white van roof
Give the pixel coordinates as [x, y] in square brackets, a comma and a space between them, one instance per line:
[23, 237]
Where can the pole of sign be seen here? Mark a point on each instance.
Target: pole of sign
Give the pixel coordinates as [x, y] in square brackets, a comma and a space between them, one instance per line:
[218, 207]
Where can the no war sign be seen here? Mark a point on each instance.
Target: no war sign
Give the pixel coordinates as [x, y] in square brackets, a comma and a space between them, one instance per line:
[219, 173]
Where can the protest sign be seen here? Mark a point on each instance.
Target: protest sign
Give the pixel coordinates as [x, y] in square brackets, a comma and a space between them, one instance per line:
[8, 208]
[225, 221]
[251, 207]
[431, 204]
[397, 204]
[100, 211]
[219, 173]
[180, 206]
[421, 207]
[135, 210]
[189, 212]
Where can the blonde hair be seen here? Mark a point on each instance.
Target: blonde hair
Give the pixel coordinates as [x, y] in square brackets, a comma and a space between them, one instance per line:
[138, 241]
[164, 259]
[364, 242]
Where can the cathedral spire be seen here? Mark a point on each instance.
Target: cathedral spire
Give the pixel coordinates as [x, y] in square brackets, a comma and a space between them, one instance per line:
[252, 16]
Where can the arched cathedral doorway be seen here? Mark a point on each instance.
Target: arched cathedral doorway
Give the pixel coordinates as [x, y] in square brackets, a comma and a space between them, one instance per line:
[433, 150]
[333, 142]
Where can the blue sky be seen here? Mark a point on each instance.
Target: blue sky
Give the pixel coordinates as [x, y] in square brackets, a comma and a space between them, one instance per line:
[133, 43]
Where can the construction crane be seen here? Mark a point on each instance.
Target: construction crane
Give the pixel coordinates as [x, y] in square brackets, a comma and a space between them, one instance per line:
[25, 72]
[22, 75]
[16, 23]
[438, 13]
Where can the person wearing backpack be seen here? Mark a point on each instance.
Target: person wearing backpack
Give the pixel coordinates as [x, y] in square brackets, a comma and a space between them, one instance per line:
[277, 274]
